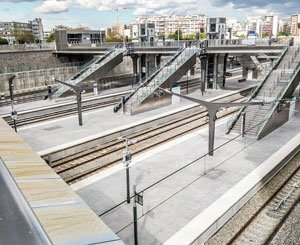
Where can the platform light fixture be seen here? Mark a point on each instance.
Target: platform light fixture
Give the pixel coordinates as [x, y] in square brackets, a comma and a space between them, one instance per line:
[127, 157]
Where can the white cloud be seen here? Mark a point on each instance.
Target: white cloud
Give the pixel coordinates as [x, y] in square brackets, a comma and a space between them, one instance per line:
[53, 6]
[234, 8]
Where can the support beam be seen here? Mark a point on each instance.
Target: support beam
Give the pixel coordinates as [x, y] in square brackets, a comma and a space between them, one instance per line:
[215, 77]
[212, 108]
[135, 59]
[158, 60]
[203, 60]
[224, 70]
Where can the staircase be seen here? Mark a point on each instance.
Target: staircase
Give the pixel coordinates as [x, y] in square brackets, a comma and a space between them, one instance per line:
[273, 88]
[103, 64]
[165, 76]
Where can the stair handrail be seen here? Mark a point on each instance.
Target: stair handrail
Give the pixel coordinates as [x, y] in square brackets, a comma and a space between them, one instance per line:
[82, 69]
[166, 73]
[175, 65]
[256, 90]
[279, 97]
[146, 81]
[202, 45]
[169, 70]
[89, 66]
[85, 66]
[98, 62]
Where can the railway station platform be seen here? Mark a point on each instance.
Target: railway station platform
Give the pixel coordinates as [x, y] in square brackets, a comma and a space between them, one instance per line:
[201, 193]
[60, 133]
[37, 206]
[47, 103]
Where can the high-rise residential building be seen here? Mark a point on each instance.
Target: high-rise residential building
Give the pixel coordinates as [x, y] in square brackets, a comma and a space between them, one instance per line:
[287, 26]
[165, 25]
[35, 27]
[263, 25]
[237, 28]
[295, 24]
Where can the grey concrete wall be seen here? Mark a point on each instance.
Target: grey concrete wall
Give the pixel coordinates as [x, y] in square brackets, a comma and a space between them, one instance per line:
[28, 58]
[32, 79]
[126, 67]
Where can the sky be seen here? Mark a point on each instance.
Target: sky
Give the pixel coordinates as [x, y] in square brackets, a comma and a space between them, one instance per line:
[97, 14]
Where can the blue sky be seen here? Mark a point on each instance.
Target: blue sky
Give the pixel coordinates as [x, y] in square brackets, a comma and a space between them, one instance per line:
[99, 13]
[75, 16]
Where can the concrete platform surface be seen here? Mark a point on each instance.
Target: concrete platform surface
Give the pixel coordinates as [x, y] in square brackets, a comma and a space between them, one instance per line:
[46, 103]
[43, 136]
[174, 202]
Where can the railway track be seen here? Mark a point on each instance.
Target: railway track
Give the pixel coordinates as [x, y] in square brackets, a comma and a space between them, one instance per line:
[24, 99]
[265, 223]
[84, 164]
[62, 110]
[70, 108]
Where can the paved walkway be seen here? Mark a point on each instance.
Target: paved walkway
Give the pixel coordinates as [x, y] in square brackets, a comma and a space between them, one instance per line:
[52, 133]
[174, 202]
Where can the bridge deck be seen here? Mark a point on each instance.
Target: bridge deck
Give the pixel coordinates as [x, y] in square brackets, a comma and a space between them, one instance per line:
[64, 216]
[232, 49]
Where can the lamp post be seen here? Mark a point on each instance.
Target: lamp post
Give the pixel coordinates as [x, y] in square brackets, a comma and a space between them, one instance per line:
[14, 115]
[126, 161]
[11, 87]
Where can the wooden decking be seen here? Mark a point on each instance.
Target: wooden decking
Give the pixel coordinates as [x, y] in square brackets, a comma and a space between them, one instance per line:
[65, 217]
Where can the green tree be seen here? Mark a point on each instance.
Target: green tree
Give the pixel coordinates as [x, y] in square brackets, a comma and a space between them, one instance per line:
[202, 36]
[78, 28]
[174, 35]
[240, 36]
[113, 39]
[61, 27]
[51, 38]
[23, 36]
[189, 37]
[3, 41]
[283, 33]
[266, 34]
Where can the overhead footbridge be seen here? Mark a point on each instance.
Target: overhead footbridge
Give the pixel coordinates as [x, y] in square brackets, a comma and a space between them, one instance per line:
[233, 47]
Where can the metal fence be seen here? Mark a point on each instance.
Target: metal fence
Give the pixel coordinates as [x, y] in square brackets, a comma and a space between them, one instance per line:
[181, 43]
[27, 47]
[5, 69]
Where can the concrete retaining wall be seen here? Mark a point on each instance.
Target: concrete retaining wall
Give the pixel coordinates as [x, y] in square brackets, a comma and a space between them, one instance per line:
[31, 79]
[29, 58]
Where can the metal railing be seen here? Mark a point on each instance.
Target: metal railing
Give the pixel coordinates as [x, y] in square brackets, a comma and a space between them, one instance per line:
[27, 47]
[4, 70]
[162, 76]
[179, 43]
[234, 119]
[88, 69]
[279, 96]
